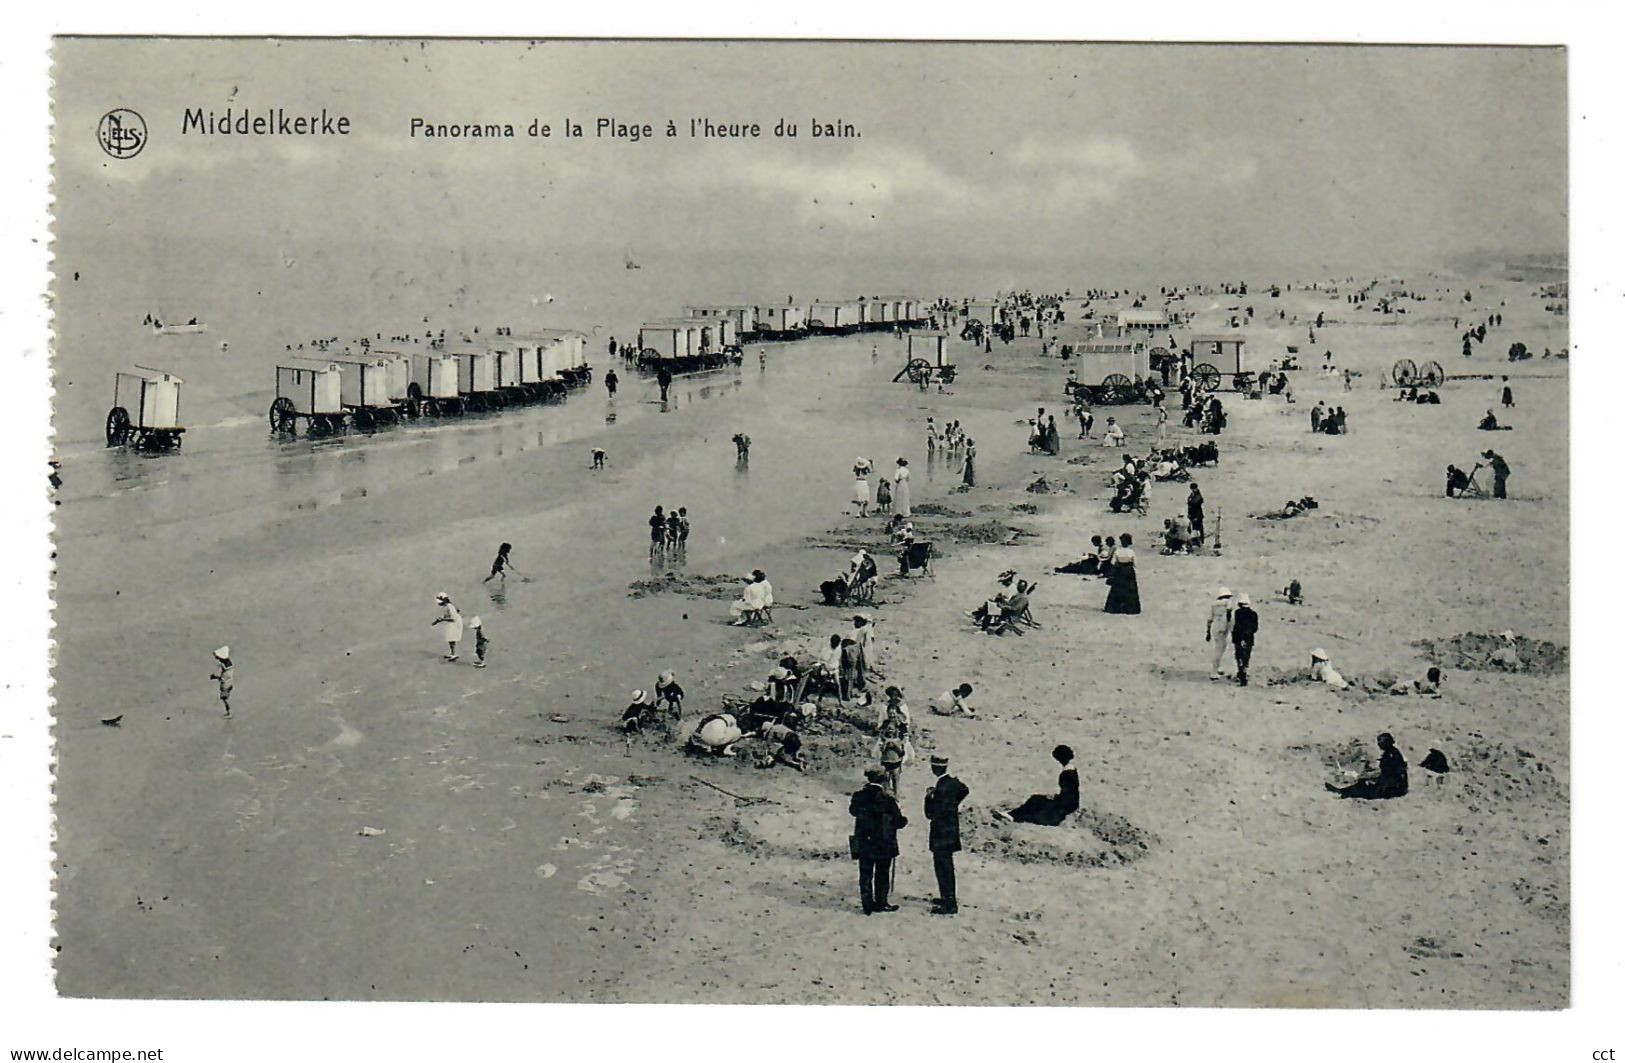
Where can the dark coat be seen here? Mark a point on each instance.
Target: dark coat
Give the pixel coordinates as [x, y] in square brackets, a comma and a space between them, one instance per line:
[877, 819]
[942, 809]
[1243, 625]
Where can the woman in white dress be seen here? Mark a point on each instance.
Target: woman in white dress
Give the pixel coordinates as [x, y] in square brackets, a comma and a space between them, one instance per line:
[900, 490]
[860, 485]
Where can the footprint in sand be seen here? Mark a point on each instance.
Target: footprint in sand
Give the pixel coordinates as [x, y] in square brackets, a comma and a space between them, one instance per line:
[348, 736]
[546, 871]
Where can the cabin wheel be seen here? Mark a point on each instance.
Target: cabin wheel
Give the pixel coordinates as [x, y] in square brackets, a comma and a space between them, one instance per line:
[1432, 374]
[1206, 376]
[1404, 373]
[282, 414]
[118, 426]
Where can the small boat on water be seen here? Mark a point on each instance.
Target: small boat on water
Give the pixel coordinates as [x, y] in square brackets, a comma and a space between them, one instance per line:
[191, 327]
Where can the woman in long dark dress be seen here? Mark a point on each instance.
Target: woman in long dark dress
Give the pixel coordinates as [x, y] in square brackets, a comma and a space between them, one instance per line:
[1051, 810]
[1124, 595]
[970, 463]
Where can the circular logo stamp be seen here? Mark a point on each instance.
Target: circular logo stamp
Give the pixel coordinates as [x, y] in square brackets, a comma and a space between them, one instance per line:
[122, 133]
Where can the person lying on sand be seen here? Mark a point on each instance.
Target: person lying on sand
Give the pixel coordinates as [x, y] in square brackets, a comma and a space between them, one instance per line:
[1089, 563]
[1390, 779]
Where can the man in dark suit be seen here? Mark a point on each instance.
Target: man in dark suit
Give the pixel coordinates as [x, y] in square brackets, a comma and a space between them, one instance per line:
[874, 840]
[942, 809]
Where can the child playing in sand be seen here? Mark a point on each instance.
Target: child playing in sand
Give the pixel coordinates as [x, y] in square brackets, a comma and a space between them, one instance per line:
[955, 702]
[222, 658]
[502, 563]
[480, 642]
[598, 457]
[668, 691]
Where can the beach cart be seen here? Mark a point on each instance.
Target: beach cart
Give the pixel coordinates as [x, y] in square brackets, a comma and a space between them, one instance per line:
[433, 389]
[312, 389]
[509, 375]
[1407, 373]
[1112, 372]
[477, 378]
[365, 390]
[927, 359]
[1214, 358]
[146, 410]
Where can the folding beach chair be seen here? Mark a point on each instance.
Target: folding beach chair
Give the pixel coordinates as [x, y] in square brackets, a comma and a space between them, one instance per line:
[1471, 489]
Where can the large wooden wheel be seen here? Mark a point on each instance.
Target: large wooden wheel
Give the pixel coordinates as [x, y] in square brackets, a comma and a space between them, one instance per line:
[1404, 373]
[1116, 389]
[118, 426]
[1432, 375]
[282, 414]
[919, 370]
[1206, 377]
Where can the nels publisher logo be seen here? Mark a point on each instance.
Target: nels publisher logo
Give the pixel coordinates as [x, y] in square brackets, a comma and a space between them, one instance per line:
[122, 133]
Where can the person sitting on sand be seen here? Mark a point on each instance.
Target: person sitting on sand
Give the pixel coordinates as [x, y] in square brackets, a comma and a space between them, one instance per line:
[1114, 433]
[1088, 564]
[1050, 810]
[1321, 670]
[955, 702]
[642, 712]
[716, 734]
[1455, 481]
[1391, 779]
[1490, 424]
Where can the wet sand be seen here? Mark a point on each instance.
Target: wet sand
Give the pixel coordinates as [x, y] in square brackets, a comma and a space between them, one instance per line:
[533, 860]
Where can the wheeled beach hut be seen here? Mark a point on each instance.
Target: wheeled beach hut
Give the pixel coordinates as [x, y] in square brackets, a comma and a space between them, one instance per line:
[433, 389]
[540, 380]
[364, 389]
[741, 321]
[309, 388]
[832, 318]
[781, 320]
[568, 358]
[927, 358]
[477, 376]
[1112, 370]
[1142, 319]
[508, 371]
[1216, 357]
[146, 410]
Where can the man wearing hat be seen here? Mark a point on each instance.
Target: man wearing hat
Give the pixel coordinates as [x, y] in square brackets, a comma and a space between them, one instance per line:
[942, 809]
[222, 659]
[1243, 629]
[1218, 630]
[876, 820]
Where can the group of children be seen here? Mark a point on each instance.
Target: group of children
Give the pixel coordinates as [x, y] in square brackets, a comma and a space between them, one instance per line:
[668, 529]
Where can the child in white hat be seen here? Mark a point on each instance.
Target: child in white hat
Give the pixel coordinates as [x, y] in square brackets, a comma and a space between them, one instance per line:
[480, 642]
[222, 658]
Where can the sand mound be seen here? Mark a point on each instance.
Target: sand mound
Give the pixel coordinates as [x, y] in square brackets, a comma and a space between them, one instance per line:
[988, 531]
[1484, 772]
[1478, 652]
[1089, 839]
[1042, 486]
[721, 588]
[937, 509]
[1024, 507]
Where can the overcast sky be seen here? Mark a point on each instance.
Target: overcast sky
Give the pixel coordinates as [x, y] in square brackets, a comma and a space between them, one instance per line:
[1189, 158]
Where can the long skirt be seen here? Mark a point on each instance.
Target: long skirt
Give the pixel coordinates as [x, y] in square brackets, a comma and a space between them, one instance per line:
[1046, 810]
[970, 472]
[900, 499]
[1124, 596]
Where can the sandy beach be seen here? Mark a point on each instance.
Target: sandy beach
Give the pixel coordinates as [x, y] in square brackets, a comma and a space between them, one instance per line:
[374, 823]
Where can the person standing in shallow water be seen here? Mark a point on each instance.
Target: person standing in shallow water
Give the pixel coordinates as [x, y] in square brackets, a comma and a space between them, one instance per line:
[611, 382]
[970, 463]
[901, 492]
[1124, 594]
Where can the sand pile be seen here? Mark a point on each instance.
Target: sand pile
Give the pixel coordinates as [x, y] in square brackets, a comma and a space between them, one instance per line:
[1484, 771]
[721, 588]
[1088, 839]
[1478, 652]
[936, 509]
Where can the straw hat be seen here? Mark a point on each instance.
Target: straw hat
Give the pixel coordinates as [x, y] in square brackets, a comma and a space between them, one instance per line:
[1318, 655]
[1242, 599]
[223, 653]
[442, 597]
[637, 696]
[667, 677]
[475, 622]
[1224, 592]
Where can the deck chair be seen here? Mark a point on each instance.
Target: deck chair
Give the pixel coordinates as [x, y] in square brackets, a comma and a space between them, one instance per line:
[1471, 489]
[863, 591]
[914, 556]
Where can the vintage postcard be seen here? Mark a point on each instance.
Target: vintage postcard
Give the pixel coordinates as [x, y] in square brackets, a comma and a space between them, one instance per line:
[811, 522]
